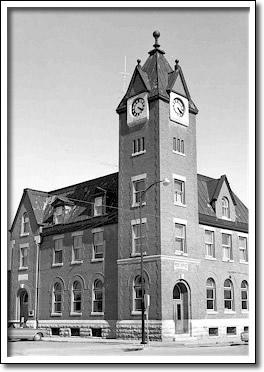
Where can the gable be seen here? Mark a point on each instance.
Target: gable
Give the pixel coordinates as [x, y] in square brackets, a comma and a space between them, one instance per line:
[178, 87]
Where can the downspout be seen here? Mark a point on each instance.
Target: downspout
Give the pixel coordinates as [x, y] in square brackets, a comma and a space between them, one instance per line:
[37, 241]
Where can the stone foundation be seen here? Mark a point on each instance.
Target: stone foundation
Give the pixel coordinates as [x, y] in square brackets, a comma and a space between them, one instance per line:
[92, 328]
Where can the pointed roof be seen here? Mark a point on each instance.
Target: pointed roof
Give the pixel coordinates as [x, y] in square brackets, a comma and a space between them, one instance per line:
[157, 76]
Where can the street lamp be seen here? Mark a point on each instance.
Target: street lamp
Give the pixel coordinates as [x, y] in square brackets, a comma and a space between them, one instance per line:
[165, 182]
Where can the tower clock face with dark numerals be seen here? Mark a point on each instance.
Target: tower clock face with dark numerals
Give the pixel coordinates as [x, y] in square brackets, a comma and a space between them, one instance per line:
[178, 107]
[138, 106]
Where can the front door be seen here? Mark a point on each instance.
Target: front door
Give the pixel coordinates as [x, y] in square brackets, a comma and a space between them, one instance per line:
[23, 307]
[178, 315]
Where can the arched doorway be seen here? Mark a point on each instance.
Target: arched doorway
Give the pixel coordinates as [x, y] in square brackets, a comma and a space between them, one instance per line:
[181, 308]
[23, 306]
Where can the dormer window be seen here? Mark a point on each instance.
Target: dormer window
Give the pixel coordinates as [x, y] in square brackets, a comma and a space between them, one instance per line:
[25, 224]
[58, 215]
[98, 206]
[225, 208]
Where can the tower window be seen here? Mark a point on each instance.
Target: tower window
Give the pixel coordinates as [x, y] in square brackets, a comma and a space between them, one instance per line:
[178, 145]
[138, 187]
[180, 238]
[179, 191]
[139, 146]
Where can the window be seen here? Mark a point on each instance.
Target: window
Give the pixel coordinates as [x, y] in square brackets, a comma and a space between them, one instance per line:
[136, 237]
[138, 187]
[58, 215]
[137, 293]
[225, 208]
[24, 257]
[244, 295]
[58, 247]
[98, 206]
[25, 224]
[213, 331]
[227, 247]
[57, 298]
[179, 191]
[77, 248]
[98, 245]
[180, 238]
[228, 295]
[98, 296]
[231, 331]
[139, 146]
[243, 249]
[209, 243]
[210, 295]
[178, 145]
[76, 297]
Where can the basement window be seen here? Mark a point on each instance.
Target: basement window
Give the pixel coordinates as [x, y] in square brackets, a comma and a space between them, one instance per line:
[75, 331]
[97, 332]
[231, 331]
[55, 331]
[213, 331]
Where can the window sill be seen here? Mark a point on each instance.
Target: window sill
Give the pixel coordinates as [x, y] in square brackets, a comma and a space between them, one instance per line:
[180, 204]
[243, 262]
[137, 205]
[227, 260]
[77, 262]
[211, 258]
[178, 153]
[226, 218]
[24, 234]
[56, 314]
[229, 312]
[136, 312]
[97, 313]
[244, 311]
[97, 260]
[75, 314]
[57, 264]
[211, 312]
[137, 254]
[180, 253]
[23, 268]
[138, 153]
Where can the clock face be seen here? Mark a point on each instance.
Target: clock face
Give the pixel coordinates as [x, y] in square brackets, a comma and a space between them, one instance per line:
[138, 106]
[178, 107]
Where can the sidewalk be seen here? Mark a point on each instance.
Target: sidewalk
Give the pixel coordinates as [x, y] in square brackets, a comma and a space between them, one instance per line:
[180, 343]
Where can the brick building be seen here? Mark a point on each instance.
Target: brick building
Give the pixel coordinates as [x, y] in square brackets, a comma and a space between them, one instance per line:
[76, 251]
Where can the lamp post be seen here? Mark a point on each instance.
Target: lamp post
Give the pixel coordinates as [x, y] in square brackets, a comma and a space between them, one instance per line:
[165, 182]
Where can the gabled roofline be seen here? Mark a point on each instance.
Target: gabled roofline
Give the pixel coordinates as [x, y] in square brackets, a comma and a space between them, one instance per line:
[223, 179]
[26, 192]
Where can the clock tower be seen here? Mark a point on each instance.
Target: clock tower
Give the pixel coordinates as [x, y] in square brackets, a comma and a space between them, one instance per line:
[157, 140]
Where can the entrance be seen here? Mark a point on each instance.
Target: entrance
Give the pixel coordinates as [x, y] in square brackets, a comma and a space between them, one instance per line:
[23, 303]
[180, 308]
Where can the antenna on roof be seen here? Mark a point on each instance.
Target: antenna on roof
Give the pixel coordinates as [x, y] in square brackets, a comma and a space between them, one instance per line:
[124, 74]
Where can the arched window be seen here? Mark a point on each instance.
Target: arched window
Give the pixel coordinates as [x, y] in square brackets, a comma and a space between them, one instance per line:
[210, 294]
[228, 295]
[57, 298]
[76, 297]
[25, 224]
[98, 296]
[244, 295]
[137, 293]
[225, 208]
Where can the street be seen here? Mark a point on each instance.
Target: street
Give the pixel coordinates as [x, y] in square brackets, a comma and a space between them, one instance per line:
[31, 348]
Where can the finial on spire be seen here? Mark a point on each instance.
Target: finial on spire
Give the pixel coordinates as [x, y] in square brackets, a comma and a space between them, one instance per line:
[156, 35]
[176, 64]
[138, 62]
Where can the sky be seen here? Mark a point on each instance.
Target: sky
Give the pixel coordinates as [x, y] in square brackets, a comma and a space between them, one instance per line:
[65, 82]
